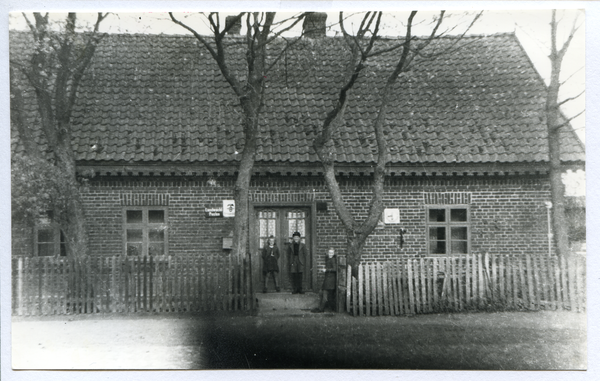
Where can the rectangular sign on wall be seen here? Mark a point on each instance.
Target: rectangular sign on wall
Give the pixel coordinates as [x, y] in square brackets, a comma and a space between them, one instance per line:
[213, 212]
[391, 216]
[228, 208]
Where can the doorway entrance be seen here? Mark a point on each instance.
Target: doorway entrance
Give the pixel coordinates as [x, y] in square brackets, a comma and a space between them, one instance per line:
[282, 222]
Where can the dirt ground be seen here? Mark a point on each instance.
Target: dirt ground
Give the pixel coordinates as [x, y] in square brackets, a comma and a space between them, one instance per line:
[515, 340]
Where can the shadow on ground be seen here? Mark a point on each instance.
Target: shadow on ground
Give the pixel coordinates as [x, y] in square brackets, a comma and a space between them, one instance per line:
[460, 341]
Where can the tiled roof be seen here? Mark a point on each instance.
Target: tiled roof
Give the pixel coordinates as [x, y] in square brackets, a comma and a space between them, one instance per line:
[158, 98]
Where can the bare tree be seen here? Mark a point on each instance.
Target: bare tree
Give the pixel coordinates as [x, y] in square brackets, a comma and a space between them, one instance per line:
[362, 46]
[249, 89]
[54, 68]
[555, 122]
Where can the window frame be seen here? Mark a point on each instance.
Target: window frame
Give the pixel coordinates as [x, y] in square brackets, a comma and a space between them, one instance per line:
[58, 238]
[275, 218]
[145, 226]
[448, 225]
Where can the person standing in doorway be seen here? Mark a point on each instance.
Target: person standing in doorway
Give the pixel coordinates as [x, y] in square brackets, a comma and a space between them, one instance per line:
[270, 256]
[296, 253]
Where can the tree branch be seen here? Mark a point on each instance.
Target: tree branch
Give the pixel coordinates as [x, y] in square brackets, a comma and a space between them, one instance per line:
[218, 55]
[565, 46]
[571, 76]
[570, 99]
[279, 33]
[556, 128]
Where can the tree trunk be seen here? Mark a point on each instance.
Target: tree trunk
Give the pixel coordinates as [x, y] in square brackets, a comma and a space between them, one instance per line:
[554, 124]
[557, 189]
[355, 246]
[72, 218]
[242, 184]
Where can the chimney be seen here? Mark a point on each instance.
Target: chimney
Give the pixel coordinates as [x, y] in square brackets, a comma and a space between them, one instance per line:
[314, 25]
[236, 28]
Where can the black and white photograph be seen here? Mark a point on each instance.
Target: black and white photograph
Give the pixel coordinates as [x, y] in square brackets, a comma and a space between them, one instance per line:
[314, 189]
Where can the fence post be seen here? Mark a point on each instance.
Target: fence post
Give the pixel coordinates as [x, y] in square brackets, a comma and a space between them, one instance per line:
[367, 270]
[360, 289]
[354, 286]
[411, 293]
[373, 276]
[348, 286]
[423, 281]
[530, 297]
[502, 278]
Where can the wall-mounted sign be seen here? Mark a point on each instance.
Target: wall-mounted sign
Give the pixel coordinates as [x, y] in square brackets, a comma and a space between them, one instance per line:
[227, 243]
[228, 208]
[391, 216]
[213, 212]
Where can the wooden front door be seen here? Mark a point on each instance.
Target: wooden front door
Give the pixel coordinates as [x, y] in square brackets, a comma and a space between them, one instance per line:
[282, 223]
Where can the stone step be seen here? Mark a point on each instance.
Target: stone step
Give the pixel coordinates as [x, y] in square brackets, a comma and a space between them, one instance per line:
[286, 303]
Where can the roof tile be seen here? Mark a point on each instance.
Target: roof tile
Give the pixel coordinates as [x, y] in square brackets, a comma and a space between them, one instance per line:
[148, 98]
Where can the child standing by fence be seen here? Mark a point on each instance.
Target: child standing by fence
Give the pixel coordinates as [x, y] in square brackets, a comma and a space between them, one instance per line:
[270, 256]
[329, 283]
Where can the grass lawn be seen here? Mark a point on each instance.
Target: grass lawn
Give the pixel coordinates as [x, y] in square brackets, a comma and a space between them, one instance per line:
[506, 340]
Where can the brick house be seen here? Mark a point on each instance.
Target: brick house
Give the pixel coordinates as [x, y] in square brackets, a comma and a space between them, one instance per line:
[157, 125]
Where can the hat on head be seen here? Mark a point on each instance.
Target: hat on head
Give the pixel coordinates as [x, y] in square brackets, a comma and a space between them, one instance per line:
[296, 234]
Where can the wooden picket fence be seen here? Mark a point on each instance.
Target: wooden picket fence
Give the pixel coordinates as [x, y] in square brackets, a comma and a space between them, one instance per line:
[468, 282]
[59, 286]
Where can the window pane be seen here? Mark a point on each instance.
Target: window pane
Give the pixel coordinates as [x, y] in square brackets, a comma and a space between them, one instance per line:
[458, 215]
[134, 248]
[437, 233]
[134, 216]
[437, 247]
[437, 215]
[301, 227]
[63, 245]
[45, 249]
[45, 235]
[156, 248]
[261, 243]
[459, 247]
[263, 228]
[156, 235]
[134, 235]
[272, 231]
[459, 233]
[156, 216]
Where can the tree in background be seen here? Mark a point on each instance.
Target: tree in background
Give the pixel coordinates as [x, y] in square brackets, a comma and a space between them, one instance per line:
[44, 175]
[555, 122]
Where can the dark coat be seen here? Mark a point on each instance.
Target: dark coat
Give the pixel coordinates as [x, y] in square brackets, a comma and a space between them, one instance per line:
[330, 281]
[270, 256]
[296, 261]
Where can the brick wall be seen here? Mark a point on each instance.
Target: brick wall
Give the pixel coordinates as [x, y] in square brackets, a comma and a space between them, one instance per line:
[508, 215]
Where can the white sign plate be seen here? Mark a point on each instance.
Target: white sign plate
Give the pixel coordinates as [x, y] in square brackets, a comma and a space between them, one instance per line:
[391, 216]
[228, 208]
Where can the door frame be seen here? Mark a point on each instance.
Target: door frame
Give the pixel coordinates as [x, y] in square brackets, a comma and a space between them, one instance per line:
[253, 230]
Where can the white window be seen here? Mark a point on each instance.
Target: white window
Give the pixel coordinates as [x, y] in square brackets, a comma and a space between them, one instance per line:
[267, 223]
[145, 230]
[448, 229]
